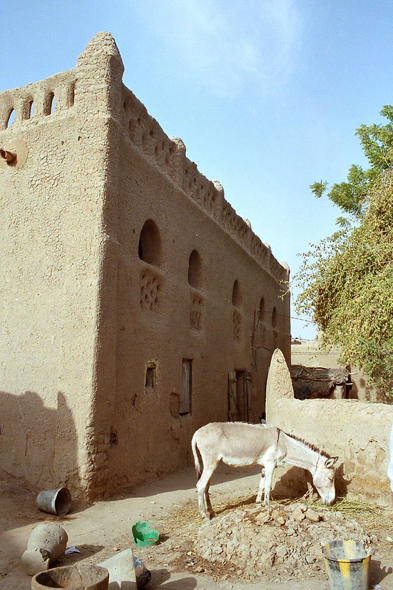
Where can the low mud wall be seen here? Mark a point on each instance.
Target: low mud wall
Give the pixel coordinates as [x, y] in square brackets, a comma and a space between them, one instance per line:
[358, 432]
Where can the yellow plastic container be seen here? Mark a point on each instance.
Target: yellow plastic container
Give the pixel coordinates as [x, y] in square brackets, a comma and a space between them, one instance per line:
[347, 564]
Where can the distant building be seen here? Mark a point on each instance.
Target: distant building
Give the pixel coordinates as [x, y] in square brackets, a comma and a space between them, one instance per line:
[136, 304]
[310, 354]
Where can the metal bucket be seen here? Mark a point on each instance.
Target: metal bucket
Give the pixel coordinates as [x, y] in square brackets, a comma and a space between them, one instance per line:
[77, 577]
[54, 501]
[347, 564]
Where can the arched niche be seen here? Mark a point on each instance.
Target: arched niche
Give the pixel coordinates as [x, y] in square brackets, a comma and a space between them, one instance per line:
[150, 245]
[236, 294]
[195, 270]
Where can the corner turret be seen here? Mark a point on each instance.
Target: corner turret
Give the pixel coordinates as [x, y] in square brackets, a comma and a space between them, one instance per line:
[100, 72]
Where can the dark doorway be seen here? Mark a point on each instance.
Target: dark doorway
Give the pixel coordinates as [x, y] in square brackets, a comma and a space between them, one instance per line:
[239, 388]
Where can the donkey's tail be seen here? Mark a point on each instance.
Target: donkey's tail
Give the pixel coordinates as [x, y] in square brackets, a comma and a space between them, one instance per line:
[197, 455]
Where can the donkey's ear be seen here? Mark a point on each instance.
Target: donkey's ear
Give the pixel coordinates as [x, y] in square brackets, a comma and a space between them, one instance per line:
[330, 462]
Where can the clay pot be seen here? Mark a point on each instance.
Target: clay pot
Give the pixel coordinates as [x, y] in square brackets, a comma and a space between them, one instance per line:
[77, 577]
[46, 544]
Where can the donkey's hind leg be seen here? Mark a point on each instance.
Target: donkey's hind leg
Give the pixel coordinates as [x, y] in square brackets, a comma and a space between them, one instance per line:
[261, 486]
[208, 504]
[203, 484]
[269, 469]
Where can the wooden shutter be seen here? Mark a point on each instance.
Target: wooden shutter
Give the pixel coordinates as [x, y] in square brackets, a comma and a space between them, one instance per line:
[249, 394]
[232, 407]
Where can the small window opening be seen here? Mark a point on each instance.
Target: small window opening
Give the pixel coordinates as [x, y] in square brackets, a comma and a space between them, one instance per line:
[274, 317]
[149, 248]
[31, 109]
[11, 118]
[150, 378]
[236, 295]
[113, 440]
[185, 402]
[71, 95]
[195, 270]
[49, 105]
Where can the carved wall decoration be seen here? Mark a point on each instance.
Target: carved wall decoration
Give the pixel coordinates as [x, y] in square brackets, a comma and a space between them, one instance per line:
[196, 314]
[237, 322]
[151, 290]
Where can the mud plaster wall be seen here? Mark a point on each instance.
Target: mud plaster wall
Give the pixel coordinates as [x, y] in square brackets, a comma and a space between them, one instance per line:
[358, 432]
[162, 328]
[163, 319]
[81, 321]
[51, 257]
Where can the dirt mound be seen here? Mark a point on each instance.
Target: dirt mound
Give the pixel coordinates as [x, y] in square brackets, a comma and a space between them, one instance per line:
[285, 542]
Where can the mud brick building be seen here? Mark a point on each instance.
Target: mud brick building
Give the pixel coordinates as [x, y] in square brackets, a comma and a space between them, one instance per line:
[136, 305]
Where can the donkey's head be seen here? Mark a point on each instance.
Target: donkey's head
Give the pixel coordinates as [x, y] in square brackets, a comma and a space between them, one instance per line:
[323, 478]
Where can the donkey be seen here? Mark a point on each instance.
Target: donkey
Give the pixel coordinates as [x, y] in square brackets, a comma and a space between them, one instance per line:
[242, 445]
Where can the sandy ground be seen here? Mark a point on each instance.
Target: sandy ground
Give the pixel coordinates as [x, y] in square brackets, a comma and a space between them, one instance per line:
[169, 504]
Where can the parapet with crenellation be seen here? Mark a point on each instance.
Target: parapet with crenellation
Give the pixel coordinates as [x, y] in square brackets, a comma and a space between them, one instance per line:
[169, 155]
[82, 92]
[36, 101]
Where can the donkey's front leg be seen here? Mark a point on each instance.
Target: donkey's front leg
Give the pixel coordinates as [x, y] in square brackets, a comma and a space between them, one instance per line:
[261, 486]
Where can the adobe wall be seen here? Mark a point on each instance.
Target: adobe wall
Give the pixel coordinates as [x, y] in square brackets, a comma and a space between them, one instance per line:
[85, 315]
[51, 252]
[162, 319]
[164, 332]
[356, 431]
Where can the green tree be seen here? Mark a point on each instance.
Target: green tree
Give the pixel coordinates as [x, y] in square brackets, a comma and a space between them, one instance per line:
[346, 280]
[352, 196]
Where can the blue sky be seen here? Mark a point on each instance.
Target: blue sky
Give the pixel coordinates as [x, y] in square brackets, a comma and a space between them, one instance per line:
[266, 94]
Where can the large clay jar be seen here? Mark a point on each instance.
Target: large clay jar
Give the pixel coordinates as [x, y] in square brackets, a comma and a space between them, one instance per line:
[47, 543]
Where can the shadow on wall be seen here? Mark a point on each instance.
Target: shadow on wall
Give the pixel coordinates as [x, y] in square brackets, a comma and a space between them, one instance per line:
[38, 443]
[295, 482]
[38, 451]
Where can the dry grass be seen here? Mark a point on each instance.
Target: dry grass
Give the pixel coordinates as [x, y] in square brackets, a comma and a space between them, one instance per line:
[187, 513]
[350, 506]
[365, 513]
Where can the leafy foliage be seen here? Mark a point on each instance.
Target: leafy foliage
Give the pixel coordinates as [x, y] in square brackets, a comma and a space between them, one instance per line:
[352, 196]
[347, 279]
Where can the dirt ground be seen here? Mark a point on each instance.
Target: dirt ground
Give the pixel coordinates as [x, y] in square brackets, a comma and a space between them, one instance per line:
[241, 548]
